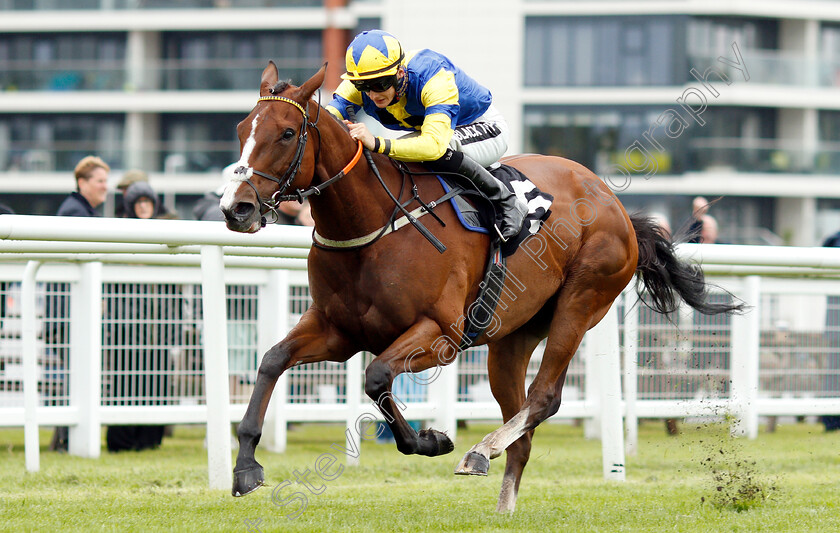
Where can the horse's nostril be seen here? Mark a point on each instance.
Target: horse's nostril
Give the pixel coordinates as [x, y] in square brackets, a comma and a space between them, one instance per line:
[243, 209]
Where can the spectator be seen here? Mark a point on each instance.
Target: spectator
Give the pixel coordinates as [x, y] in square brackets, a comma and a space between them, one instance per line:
[91, 187]
[140, 201]
[708, 229]
[704, 227]
[139, 333]
[699, 207]
[91, 175]
[304, 217]
[208, 207]
[129, 178]
[288, 212]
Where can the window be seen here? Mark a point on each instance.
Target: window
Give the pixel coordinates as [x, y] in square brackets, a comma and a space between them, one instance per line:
[599, 137]
[713, 36]
[59, 61]
[194, 143]
[229, 60]
[57, 142]
[603, 51]
[828, 156]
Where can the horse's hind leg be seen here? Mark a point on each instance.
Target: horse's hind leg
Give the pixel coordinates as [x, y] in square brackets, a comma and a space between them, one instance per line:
[507, 365]
[312, 340]
[577, 309]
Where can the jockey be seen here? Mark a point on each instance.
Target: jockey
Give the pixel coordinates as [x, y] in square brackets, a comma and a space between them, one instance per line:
[454, 126]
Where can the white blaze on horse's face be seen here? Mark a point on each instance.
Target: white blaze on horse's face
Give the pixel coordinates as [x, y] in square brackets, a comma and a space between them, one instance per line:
[226, 202]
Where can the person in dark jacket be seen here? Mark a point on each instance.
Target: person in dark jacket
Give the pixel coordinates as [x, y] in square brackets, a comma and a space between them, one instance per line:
[141, 325]
[208, 207]
[91, 187]
[140, 201]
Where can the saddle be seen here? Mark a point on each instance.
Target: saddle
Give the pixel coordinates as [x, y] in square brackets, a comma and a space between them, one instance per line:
[478, 214]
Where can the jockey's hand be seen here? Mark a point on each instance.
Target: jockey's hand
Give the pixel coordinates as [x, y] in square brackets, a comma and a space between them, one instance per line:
[360, 132]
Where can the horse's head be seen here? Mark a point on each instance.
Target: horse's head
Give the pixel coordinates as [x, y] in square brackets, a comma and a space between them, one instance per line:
[273, 142]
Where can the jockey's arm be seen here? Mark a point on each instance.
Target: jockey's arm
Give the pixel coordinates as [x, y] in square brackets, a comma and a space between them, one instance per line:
[429, 145]
[440, 99]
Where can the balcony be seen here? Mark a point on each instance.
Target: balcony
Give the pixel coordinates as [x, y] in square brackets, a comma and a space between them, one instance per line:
[44, 5]
[761, 156]
[168, 75]
[773, 67]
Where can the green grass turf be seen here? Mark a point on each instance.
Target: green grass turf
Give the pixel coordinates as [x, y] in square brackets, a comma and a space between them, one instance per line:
[792, 477]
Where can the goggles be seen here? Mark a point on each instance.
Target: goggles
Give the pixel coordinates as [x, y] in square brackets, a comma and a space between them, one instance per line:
[377, 85]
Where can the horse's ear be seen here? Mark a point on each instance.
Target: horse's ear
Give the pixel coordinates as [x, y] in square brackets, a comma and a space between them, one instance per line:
[312, 84]
[270, 77]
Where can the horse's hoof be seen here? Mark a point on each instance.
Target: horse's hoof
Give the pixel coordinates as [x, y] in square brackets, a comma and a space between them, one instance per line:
[247, 481]
[433, 443]
[473, 464]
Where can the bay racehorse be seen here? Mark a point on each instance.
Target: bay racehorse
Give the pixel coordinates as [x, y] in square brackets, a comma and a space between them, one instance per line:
[397, 297]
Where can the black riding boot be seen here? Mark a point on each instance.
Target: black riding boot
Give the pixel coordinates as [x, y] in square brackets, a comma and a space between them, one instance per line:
[513, 210]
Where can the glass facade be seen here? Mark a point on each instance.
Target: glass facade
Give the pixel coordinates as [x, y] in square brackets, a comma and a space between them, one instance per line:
[62, 61]
[217, 61]
[604, 51]
[599, 137]
[595, 136]
[47, 142]
[228, 60]
[645, 51]
[830, 53]
[828, 155]
[199, 143]
[712, 35]
[30, 5]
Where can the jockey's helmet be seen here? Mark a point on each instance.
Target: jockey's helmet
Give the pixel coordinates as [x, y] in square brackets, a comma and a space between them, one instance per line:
[373, 54]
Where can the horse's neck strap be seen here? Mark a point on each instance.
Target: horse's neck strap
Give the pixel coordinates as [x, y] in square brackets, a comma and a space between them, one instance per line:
[316, 189]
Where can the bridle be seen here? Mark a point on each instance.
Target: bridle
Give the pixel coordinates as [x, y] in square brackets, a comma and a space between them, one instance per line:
[272, 204]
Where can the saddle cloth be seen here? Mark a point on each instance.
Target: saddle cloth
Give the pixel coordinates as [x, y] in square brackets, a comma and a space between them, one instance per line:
[480, 216]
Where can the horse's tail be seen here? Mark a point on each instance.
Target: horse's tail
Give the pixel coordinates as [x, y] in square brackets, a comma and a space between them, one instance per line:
[666, 278]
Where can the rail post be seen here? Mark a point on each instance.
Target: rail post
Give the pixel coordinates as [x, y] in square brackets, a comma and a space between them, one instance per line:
[85, 437]
[746, 332]
[273, 313]
[30, 368]
[605, 350]
[631, 370]
[216, 387]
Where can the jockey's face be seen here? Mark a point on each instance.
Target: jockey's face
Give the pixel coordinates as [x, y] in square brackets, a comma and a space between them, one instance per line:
[384, 98]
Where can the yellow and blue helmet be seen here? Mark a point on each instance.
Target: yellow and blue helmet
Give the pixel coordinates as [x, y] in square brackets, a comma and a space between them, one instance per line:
[373, 54]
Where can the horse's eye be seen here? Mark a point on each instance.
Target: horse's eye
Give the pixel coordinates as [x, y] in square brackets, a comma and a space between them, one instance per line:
[288, 134]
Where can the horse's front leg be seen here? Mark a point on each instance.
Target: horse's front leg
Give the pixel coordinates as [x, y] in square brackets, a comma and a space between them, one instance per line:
[310, 341]
[413, 351]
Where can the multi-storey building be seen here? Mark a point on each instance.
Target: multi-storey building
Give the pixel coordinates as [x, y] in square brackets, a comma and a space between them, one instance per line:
[651, 93]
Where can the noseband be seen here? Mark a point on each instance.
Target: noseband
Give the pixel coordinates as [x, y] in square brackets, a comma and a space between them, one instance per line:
[272, 204]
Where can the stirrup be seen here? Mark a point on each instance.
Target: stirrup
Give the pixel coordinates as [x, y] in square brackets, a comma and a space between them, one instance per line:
[499, 233]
